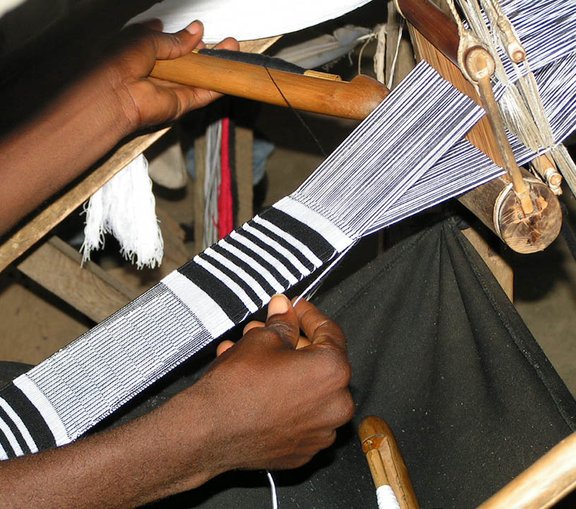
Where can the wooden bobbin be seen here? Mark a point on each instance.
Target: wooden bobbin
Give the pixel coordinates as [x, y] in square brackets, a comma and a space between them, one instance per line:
[498, 207]
[385, 461]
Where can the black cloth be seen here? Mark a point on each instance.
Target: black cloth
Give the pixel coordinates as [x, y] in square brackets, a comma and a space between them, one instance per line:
[440, 353]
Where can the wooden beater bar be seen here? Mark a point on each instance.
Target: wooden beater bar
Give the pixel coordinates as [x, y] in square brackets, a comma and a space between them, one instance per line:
[319, 93]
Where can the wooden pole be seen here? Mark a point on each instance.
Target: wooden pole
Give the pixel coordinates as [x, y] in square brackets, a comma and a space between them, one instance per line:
[543, 484]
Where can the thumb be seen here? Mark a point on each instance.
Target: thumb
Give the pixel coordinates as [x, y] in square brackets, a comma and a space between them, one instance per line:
[282, 319]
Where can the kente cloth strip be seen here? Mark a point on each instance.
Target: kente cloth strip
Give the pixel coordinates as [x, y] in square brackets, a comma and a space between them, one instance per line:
[469, 394]
[374, 170]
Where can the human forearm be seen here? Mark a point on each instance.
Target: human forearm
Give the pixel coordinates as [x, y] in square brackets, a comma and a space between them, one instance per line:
[147, 459]
[115, 99]
[43, 156]
[263, 404]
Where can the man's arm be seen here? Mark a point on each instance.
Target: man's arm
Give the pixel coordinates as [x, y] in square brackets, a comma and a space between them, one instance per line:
[262, 404]
[93, 115]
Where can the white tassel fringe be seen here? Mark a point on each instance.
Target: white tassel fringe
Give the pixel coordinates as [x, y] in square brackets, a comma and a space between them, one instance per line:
[125, 208]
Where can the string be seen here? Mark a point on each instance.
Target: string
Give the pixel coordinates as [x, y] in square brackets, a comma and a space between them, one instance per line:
[368, 38]
[298, 116]
[272, 489]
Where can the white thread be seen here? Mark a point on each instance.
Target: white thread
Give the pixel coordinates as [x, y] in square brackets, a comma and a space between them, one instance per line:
[125, 208]
[212, 179]
[520, 100]
[272, 489]
[311, 289]
[386, 498]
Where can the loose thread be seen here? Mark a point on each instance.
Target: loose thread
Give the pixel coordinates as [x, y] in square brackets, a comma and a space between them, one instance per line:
[272, 489]
[298, 116]
[313, 287]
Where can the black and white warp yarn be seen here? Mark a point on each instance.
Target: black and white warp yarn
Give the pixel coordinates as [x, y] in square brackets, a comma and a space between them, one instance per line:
[401, 159]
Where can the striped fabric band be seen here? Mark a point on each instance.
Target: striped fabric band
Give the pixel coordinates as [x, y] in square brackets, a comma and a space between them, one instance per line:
[83, 383]
[22, 427]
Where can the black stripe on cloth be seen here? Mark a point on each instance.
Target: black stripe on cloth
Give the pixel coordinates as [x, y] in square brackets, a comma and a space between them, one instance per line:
[261, 261]
[234, 277]
[5, 443]
[285, 244]
[308, 236]
[228, 301]
[15, 431]
[273, 253]
[261, 280]
[31, 417]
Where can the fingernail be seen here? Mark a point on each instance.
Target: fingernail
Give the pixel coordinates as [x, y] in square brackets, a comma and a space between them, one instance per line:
[279, 304]
[194, 27]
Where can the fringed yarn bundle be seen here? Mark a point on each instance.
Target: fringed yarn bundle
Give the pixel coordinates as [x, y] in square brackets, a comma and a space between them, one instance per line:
[384, 170]
[125, 208]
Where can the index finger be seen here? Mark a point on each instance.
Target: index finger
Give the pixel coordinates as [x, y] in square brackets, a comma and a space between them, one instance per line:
[318, 327]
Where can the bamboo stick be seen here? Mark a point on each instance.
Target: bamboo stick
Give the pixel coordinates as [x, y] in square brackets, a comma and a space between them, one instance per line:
[542, 484]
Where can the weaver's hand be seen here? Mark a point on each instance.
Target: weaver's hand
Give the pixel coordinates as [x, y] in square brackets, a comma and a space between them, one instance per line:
[96, 112]
[270, 405]
[263, 404]
[146, 100]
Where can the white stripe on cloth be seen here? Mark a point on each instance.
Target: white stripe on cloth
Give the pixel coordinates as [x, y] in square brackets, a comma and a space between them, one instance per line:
[247, 278]
[229, 282]
[277, 247]
[270, 279]
[205, 308]
[320, 224]
[303, 248]
[266, 256]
